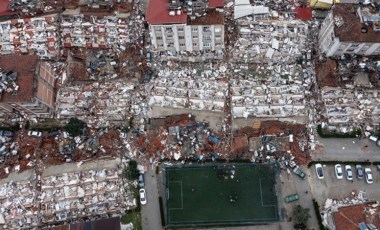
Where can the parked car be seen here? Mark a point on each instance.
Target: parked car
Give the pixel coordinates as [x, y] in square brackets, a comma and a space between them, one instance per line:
[142, 196]
[338, 171]
[53, 133]
[299, 172]
[141, 180]
[291, 198]
[359, 172]
[368, 175]
[319, 171]
[348, 172]
[34, 133]
[5, 133]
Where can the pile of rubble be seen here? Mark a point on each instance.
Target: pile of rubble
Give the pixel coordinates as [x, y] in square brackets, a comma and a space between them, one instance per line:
[98, 104]
[19, 207]
[37, 35]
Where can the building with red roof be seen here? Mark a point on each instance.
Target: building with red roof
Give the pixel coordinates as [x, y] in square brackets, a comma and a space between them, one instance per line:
[186, 26]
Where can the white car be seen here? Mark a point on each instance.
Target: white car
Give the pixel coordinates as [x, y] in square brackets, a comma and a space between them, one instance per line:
[319, 171]
[338, 171]
[142, 196]
[368, 175]
[349, 174]
[34, 134]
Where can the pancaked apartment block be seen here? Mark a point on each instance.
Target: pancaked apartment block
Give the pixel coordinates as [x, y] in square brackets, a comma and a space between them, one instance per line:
[89, 191]
[37, 35]
[196, 94]
[179, 27]
[351, 107]
[265, 35]
[350, 29]
[98, 104]
[273, 71]
[93, 31]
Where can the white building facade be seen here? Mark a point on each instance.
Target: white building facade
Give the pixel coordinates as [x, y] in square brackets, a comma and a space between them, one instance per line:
[348, 30]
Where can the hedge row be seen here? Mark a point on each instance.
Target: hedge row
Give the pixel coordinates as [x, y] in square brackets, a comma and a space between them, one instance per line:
[334, 134]
[318, 214]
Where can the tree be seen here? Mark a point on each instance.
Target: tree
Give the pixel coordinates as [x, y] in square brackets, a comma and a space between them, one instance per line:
[131, 172]
[300, 216]
[75, 126]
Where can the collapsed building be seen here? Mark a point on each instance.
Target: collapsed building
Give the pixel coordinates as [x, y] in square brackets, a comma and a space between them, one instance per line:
[351, 29]
[94, 31]
[89, 190]
[275, 77]
[196, 94]
[38, 35]
[98, 104]
[186, 26]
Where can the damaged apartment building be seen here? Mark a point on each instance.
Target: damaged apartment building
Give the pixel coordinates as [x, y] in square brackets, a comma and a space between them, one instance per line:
[27, 88]
[277, 72]
[351, 35]
[179, 27]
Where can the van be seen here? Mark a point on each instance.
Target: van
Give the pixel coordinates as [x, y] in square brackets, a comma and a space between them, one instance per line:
[373, 138]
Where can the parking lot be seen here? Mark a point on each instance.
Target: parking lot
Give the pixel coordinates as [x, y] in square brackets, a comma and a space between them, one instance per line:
[331, 187]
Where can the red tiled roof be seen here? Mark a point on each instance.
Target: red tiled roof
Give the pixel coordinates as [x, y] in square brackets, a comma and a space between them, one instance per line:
[215, 3]
[348, 218]
[158, 13]
[304, 13]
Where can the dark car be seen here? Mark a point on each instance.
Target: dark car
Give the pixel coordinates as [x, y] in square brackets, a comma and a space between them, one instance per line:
[299, 173]
[359, 172]
[53, 133]
[5, 133]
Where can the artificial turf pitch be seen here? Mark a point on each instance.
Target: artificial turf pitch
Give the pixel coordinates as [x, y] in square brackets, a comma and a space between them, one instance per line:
[206, 195]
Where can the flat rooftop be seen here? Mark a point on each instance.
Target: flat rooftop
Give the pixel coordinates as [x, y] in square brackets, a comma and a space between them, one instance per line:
[24, 66]
[350, 29]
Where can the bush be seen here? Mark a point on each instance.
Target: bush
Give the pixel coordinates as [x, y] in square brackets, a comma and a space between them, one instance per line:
[134, 217]
[318, 214]
[334, 134]
[300, 215]
[75, 127]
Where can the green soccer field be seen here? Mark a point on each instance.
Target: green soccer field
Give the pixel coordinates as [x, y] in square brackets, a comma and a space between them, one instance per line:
[221, 194]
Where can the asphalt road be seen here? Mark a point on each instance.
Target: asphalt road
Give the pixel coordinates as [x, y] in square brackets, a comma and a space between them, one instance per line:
[347, 149]
[150, 213]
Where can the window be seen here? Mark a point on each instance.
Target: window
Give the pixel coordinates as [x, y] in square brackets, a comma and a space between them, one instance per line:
[206, 37]
[195, 44]
[195, 37]
[159, 38]
[182, 45]
[180, 29]
[168, 29]
[206, 29]
[194, 29]
[181, 37]
[206, 45]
